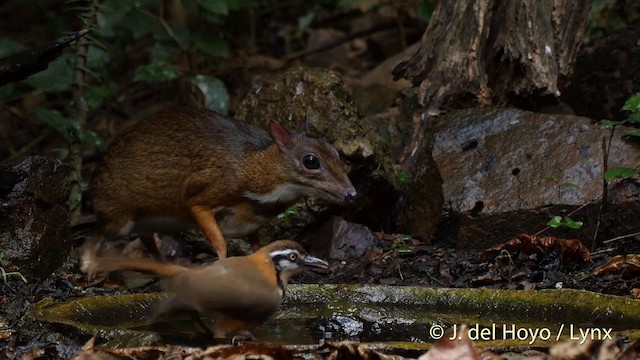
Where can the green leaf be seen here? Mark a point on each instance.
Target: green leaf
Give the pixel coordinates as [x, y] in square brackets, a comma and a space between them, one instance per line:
[305, 21]
[404, 177]
[9, 47]
[6, 90]
[215, 93]
[246, 3]
[156, 73]
[60, 153]
[570, 223]
[97, 59]
[57, 77]
[633, 103]
[425, 9]
[549, 178]
[570, 185]
[90, 137]
[84, 184]
[213, 19]
[632, 134]
[75, 201]
[110, 14]
[215, 6]
[211, 44]
[233, 4]
[634, 118]
[555, 222]
[164, 52]
[620, 173]
[66, 127]
[610, 123]
[96, 95]
[181, 34]
[141, 24]
[403, 249]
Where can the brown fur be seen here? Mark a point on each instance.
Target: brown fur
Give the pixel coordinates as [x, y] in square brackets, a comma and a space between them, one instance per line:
[185, 162]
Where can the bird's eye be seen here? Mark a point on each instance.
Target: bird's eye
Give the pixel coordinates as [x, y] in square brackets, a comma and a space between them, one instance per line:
[311, 162]
[293, 257]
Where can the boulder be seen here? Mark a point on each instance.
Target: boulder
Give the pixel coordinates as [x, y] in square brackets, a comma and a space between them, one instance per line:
[507, 171]
[341, 239]
[318, 94]
[34, 217]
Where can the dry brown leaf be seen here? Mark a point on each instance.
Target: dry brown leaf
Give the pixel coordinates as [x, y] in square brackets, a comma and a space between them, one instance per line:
[631, 351]
[246, 351]
[569, 350]
[628, 263]
[444, 349]
[350, 350]
[571, 250]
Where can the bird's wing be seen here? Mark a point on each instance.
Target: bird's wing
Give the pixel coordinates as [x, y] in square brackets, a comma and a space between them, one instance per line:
[234, 288]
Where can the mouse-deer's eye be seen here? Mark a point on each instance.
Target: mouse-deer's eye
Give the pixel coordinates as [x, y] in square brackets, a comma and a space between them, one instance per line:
[311, 162]
[293, 257]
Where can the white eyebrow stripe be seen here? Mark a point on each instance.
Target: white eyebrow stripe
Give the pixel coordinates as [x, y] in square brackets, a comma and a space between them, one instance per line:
[283, 252]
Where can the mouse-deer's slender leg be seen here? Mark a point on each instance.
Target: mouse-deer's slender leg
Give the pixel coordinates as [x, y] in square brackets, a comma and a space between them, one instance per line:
[149, 240]
[207, 221]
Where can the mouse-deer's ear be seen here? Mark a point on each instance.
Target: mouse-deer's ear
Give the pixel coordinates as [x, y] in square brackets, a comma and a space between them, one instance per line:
[303, 124]
[280, 136]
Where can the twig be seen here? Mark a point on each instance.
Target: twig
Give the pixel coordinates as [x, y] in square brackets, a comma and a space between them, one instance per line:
[612, 183]
[571, 213]
[167, 27]
[620, 237]
[601, 252]
[605, 188]
[23, 150]
[399, 272]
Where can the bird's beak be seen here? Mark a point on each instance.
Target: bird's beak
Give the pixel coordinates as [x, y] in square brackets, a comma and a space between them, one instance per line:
[312, 261]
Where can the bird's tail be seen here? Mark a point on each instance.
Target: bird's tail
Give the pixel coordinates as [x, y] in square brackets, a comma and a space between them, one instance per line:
[92, 264]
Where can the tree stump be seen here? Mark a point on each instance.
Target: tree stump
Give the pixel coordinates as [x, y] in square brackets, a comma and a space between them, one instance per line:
[495, 52]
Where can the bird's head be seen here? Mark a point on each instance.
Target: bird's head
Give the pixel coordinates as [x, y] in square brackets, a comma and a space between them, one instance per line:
[289, 258]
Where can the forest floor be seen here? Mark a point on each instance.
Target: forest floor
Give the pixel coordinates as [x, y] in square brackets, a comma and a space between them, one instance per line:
[394, 260]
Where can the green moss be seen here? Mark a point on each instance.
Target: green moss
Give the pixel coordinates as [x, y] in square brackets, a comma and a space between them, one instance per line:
[128, 319]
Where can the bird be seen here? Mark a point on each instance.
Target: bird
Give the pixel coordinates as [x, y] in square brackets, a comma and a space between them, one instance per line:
[227, 296]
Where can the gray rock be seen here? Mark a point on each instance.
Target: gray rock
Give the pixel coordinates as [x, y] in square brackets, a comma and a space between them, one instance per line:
[341, 239]
[318, 94]
[34, 217]
[507, 171]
